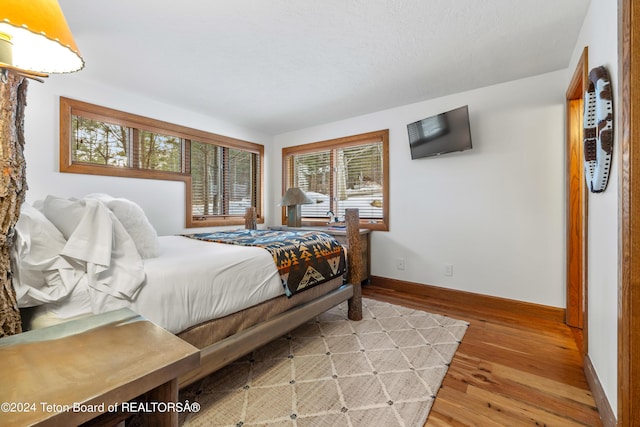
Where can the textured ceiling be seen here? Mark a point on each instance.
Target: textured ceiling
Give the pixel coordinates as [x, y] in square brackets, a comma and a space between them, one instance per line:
[280, 65]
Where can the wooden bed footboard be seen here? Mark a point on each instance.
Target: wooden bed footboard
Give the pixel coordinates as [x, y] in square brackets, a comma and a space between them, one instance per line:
[355, 269]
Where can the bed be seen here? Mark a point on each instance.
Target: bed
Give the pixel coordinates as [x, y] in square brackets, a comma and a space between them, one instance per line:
[74, 257]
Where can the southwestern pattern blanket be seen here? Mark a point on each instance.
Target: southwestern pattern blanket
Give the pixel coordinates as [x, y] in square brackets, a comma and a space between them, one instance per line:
[303, 258]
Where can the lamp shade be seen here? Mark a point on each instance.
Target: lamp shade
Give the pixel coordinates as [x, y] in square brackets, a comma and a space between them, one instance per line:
[35, 37]
[295, 196]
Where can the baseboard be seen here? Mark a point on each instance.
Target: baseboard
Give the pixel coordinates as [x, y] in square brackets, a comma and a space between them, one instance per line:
[604, 408]
[495, 304]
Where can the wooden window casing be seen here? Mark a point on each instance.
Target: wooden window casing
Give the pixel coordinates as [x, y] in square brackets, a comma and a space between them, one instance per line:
[137, 125]
[338, 182]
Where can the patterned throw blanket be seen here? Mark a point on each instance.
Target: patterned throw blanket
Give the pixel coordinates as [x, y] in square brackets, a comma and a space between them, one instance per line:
[303, 258]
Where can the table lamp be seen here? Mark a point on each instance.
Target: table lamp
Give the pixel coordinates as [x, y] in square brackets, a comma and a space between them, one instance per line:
[292, 199]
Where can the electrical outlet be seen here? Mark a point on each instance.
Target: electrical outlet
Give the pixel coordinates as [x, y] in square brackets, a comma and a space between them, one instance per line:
[400, 263]
[448, 269]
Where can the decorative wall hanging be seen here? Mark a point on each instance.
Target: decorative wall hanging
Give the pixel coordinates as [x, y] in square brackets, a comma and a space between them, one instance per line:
[598, 129]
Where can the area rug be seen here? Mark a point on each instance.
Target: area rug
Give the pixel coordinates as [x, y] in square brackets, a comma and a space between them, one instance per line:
[382, 371]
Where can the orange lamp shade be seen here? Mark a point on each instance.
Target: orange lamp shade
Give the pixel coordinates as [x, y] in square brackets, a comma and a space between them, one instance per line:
[34, 36]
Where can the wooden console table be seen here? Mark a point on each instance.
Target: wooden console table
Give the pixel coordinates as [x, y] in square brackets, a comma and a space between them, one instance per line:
[71, 373]
[341, 236]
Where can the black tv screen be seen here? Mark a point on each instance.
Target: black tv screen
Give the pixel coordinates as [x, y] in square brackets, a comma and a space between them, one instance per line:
[443, 133]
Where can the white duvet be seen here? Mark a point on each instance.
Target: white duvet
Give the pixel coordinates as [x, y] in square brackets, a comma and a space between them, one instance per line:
[93, 266]
[188, 283]
[194, 281]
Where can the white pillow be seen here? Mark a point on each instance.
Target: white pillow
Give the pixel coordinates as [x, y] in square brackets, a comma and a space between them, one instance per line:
[134, 220]
[97, 247]
[36, 261]
[34, 222]
[65, 214]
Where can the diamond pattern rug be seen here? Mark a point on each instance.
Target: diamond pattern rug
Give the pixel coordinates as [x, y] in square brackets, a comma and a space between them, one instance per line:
[384, 370]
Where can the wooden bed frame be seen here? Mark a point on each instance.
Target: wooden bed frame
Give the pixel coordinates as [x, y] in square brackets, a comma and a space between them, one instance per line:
[276, 317]
[221, 341]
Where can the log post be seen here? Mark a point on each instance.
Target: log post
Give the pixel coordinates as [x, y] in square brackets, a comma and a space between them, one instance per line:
[250, 219]
[355, 267]
[13, 186]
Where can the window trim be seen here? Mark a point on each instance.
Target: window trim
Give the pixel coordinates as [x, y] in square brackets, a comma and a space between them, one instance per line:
[69, 107]
[344, 142]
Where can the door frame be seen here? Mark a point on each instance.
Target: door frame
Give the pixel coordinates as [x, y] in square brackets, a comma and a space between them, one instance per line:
[629, 213]
[576, 202]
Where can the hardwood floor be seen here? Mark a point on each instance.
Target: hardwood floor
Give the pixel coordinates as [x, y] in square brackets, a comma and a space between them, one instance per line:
[510, 370]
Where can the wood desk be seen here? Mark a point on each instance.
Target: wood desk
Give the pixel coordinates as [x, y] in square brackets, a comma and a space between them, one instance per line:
[70, 373]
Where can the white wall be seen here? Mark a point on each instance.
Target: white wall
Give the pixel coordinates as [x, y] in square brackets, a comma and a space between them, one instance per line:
[163, 201]
[496, 212]
[599, 33]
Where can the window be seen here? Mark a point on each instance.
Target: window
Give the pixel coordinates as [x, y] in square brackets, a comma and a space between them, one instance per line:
[223, 175]
[350, 172]
[223, 180]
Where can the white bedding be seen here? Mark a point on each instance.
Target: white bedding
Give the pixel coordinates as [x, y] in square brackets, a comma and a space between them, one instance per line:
[188, 283]
[194, 281]
[74, 257]
[79, 245]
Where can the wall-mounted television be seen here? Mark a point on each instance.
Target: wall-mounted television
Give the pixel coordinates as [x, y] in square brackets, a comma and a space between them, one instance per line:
[443, 133]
